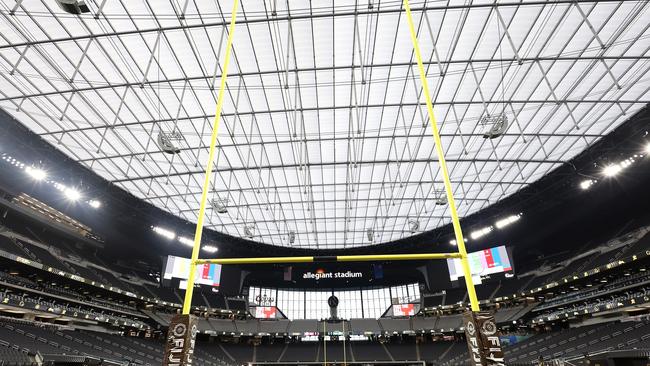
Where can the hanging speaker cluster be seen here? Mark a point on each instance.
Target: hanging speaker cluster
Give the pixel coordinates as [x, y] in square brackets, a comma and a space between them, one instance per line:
[220, 205]
[496, 125]
[168, 142]
[441, 197]
[249, 231]
[73, 6]
[414, 225]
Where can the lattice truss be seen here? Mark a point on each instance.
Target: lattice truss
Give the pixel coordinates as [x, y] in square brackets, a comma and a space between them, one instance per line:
[323, 142]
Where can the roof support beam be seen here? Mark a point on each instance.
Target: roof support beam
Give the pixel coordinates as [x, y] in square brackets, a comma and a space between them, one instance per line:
[215, 76]
[336, 163]
[309, 202]
[374, 10]
[603, 46]
[183, 9]
[505, 29]
[557, 101]
[16, 6]
[298, 187]
[387, 105]
[341, 138]
[151, 57]
[100, 9]
[217, 66]
[591, 27]
[65, 109]
[20, 58]
[81, 59]
[117, 114]
[433, 41]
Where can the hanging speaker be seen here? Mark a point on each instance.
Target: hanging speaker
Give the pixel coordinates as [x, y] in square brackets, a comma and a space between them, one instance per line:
[166, 143]
[73, 6]
[441, 200]
[498, 124]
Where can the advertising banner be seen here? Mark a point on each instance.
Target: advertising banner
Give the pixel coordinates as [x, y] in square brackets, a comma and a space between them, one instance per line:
[179, 345]
[482, 339]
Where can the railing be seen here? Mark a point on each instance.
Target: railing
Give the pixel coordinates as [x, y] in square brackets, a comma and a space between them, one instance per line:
[351, 363]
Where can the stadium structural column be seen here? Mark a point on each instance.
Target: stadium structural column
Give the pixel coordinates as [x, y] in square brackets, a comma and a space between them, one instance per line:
[443, 164]
[208, 169]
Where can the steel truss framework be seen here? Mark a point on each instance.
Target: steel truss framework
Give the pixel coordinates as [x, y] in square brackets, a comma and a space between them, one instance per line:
[323, 133]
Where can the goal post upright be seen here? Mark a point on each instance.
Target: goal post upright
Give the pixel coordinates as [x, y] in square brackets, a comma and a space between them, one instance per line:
[460, 241]
[187, 302]
[461, 254]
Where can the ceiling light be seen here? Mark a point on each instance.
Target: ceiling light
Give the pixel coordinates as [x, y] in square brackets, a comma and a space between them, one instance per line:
[587, 183]
[647, 148]
[481, 232]
[72, 194]
[454, 243]
[94, 204]
[507, 221]
[164, 232]
[210, 248]
[187, 241]
[60, 187]
[292, 237]
[37, 174]
[612, 170]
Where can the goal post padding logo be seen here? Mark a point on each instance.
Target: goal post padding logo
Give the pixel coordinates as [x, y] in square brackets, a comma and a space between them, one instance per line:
[482, 339]
[181, 336]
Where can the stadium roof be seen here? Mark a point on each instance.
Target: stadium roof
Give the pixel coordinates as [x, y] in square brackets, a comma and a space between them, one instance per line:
[322, 132]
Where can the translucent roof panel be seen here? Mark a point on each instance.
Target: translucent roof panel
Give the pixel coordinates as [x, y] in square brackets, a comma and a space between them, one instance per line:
[324, 141]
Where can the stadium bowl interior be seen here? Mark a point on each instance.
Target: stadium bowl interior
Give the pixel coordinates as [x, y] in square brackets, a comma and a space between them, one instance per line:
[325, 149]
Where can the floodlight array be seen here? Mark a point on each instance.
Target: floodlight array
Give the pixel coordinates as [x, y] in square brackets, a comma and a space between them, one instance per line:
[39, 174]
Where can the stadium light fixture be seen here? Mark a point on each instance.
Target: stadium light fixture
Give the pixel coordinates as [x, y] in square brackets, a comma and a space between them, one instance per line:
[94, 204]
[164, 232]
[36, 173]
[187, 241]
[481, 232]
[210, 248]
[72, 194]
[612, 169]
[587, 183]
[507, 221]
[454, 243]
[60, 186]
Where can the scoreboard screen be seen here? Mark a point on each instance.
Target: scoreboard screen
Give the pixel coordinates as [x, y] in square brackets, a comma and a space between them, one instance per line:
[206, 274]
[483, 263]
